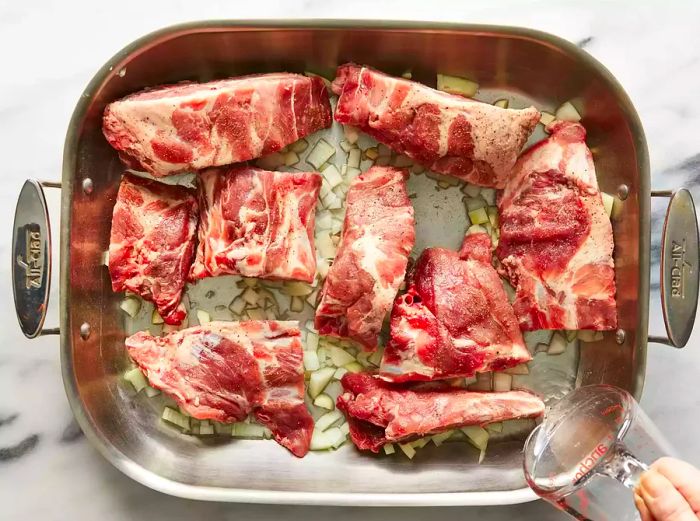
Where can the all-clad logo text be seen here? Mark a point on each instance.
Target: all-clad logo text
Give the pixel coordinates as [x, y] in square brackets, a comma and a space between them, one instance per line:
[33, 260]
[678, 269]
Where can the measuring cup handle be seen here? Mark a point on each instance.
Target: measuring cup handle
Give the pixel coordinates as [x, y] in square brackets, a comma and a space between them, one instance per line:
[679, 268]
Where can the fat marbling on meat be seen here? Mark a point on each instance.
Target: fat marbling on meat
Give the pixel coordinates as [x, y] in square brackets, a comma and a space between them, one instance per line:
[257, 223]
[379, 412]
[473, 141]
[151, 243]
[191, 126]
[556, 240]
[455, 319]
[378, 234]
[225, 371]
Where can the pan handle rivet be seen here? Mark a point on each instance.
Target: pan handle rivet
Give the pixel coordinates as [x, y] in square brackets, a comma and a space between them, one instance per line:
[623, 191]
[620, 336]
[88, 185]
[85, 331]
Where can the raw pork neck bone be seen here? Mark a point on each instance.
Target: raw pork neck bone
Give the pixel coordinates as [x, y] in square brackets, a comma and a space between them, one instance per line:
[191, 126]
[151, 245]
[378, 234]
[257, 223]
[556, 240]
[225, 371]
[454, 320]
[474, 141]
[379, 412]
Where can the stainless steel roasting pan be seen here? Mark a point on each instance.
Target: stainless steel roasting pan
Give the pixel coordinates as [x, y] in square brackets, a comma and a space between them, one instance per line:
[546, 69]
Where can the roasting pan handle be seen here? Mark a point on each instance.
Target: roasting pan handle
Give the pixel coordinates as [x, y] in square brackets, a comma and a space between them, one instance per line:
[31, 258]
[679, 268]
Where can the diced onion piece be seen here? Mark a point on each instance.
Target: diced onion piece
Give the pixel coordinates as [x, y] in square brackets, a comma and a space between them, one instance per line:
[136, 378]
[482, 455]
[327, 420]
[476, 228]
[320, 153]
[502, 103]
[311, 362]
[351, 134]
[346, 146]
[570, 335]
[495, 427]
[156, 318]
[339, 373]
[407, 75]
[296, 304]
[567, 112]
[325, 189]
[330, 200]
[345, 428]
[371, 153]
[324, 401]
[489, 195]
[324, 220]
[256, 314]
[206, 428]
[558, 345]
[608, 202]
[330, 439]
[471, 190]
[296, 289]
[457, 85]
[401, 161]
[407, 449]
[339, 356]
[248, 430]
[440, 438]
[151, 392]
[546, 118]
[478, 216]
[587, 335]
[203, 317]
[176, 418]
[351, 173]
[237, 306]
[299, 146]
[319, 380]
[420, 442]
[131, 306]
[477, 436]
[250, 296]
[309, 326]
[324, 245]
[291, 158]
[353, 367]
[334, 389]
[333, 176]
[492, 212]
[322, 267]
[502, 382]
[520, 369]
[483, 382]
[389, 449]
[354, 157]
[105, 258]
[474, 203]
[376, 357]
[311, 341]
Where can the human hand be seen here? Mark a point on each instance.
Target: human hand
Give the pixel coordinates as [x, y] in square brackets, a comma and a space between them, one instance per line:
[669, 491]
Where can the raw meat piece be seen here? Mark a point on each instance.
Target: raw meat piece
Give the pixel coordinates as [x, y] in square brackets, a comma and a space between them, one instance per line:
[454, 320]
[379, 412]
[556, 240]
[152, 242]
[476, 142]
[378, 235]
[225, 371]
[191, 126]
[257, 223]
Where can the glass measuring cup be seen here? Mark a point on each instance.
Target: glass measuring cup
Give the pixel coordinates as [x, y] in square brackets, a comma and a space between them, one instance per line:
[590, 450]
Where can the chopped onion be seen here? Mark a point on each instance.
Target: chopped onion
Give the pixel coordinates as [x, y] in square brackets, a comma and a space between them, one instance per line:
[495, 427]
[546, 118]
[340, 357]
[587, 335]
[354, 157]
[482, 455]
[330, 200]
[322, 267]
[471, 190]
[311, 341]
[489, 195]
[156, 318]
[389, 449]
[324, 245]
[351, 173]
[311, 362]
[401, 161]
[105, 258]
[440, 438]
[520, 369]
[327, 420]
[324, 401]
[492, 212]
[320, 153]
[333, 176]
[247, 430]
[353, 367]
[479, 216]
[256, 314]
[237, 306]
[334, 388]
[296, 304]
[176, 418]
[345, 428]
[319, 380]
[473, 203]
[383, 161]
[299, 146]
[483, 382]
[557, 346]
[407, 449]
[457, 85]
[131, 306]
[346, 146]
[608, 202]
[351, 134]
[376, 357]
[151, 392]
[567, 112]
[476, 228]
[136, 378]
[324, 220]
[477, 436]
[502, 382]
[250, 296]
[570, 335]
[502, 103]
[291, 158]
[330, 439]
[203, 317]
[339, 373]
[420, 442]
[206, 428]
[407, 75]
[296, 289]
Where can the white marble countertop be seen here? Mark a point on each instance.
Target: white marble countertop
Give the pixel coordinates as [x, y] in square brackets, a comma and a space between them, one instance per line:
[49, 51]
